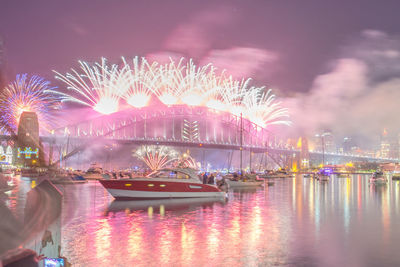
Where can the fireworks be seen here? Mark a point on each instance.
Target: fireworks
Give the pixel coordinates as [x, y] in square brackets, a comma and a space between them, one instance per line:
[26, 95]
[97, 87]
[186, 161]
[176, 83]
[138, 82]
[156, 157]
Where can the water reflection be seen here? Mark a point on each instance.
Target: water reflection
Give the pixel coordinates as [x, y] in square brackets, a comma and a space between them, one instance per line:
[299, 222]
[160, 206]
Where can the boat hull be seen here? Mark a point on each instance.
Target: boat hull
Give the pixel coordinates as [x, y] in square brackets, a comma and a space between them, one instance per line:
[153, 189]
[94, 176]
[241, 184]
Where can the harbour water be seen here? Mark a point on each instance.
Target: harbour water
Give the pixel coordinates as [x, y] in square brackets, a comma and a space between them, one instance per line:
[296, 222]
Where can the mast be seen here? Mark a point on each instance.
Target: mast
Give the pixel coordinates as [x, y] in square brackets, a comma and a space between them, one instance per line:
[323, 151]
[241, 143]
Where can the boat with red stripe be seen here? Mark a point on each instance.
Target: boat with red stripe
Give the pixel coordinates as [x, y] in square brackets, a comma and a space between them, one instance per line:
[164, 183]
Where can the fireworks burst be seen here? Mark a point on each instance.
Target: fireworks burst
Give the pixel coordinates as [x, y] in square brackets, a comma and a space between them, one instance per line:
[138, 81]
[186, 161]
[27, 95]
[262, 109]
[97, 87]
[156, 157]
[174, 83]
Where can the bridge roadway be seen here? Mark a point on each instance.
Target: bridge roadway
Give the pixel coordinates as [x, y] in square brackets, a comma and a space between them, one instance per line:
[210, 145]
[215, 145]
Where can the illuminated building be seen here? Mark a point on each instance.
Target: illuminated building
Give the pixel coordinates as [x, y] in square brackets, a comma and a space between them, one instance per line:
[347, 144]
[6, 155]
[27, 152]
[385, 145]
[325, 142]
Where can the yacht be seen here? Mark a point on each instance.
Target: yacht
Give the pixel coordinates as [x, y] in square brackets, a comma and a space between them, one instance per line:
[164, 183]
[248, 181]
[95, 172]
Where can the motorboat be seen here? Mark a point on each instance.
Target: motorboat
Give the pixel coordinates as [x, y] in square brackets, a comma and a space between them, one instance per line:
[30, 173]
[378, 177]
[5, 184]
[396, 176]
[164, 183]
[95, 172]
[343, 175]
[8, 172]
[248, 181]
[322, 177]
[308, 175]
[278, 174]
[69, 180]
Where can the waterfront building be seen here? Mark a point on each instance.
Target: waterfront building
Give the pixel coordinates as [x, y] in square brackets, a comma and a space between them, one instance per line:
[6, 155]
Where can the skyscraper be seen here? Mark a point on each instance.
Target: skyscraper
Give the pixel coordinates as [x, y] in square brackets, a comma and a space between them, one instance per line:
[385, 145]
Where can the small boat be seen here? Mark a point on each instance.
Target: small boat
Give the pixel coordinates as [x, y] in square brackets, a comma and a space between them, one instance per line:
[249, 181]
[396, 176]
[164, 183]
[322, 177]
[95, 172]
[7, 188]
[30, 173]
[8, 172]
[308, 175]
[343, 175]
[69, 180]
[5, 184]
[378, 178]
[279, 174]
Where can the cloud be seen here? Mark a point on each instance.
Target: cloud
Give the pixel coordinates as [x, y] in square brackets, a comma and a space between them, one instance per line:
[195, 37]
[241, 61]
[75, 27]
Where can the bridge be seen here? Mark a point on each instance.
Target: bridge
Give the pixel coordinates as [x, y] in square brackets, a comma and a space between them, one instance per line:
[184, 126]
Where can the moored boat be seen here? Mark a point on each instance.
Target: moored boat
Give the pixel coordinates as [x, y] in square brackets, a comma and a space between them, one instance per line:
[279, 174]
[322, 177]
[396, 176]
[378, 178]
[95, 172]
[165, 183]
[248, 182]
[31, 173]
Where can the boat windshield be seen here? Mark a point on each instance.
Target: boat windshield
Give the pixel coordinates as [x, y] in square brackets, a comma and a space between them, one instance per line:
[169, 174]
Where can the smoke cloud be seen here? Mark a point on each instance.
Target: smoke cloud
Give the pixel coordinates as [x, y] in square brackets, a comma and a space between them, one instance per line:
[360, 93]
